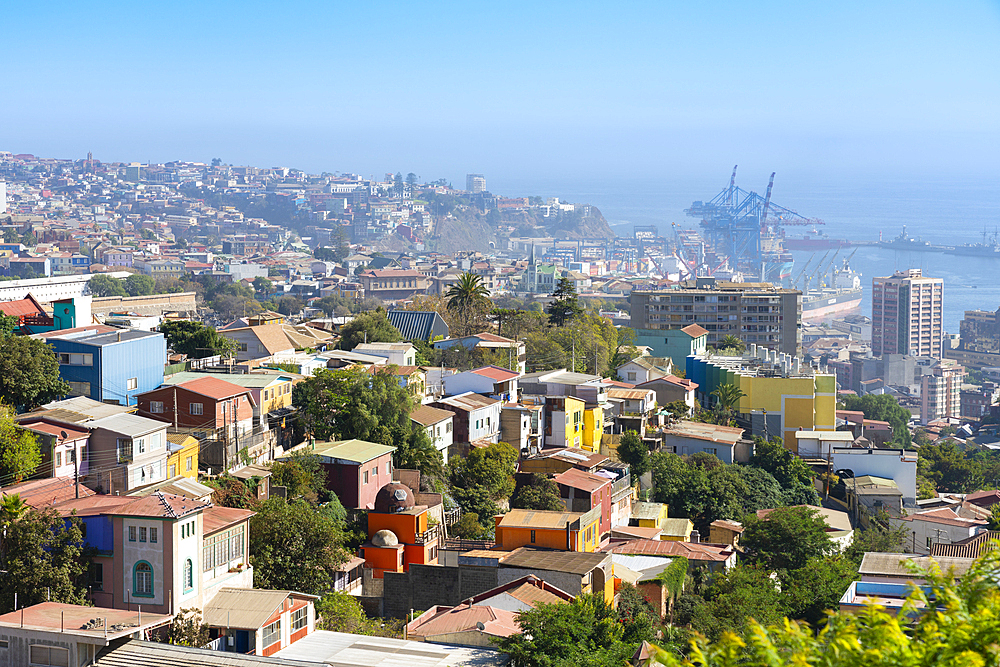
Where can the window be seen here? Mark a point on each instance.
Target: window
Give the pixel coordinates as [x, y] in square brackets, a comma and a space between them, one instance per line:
[73, 359]
[142, 533]
[631, 376]
[365, 477]
[156, 407]
[188, 463]
[142, 579]
[532, 537]
[152, 534]
[141, 442]
[196, 409]
[272, 634]
[154, 441]
[124, 450]
[4, 643]
[711, 450]
[375, 471]
[388, 468]
[58, 459]
[300, 618]
[132, 383]
[79, 388]
[97, 576]
[131, 533]
[172, 470]
[447, 427]
[188, 575]
[48, 655]
[242, 347]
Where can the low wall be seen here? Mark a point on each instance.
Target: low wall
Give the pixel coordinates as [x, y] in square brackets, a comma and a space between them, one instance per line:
[154, 304]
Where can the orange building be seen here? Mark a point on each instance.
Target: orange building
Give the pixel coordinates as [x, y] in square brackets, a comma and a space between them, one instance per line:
[399, 532]
[566, 531]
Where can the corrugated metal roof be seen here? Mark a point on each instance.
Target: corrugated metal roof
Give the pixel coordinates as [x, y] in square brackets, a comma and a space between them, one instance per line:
[215, 519]
[417, 324]
[538, 519]
[245, 380]
[895, 565]
[574, 562]
[426, 415]
[243, 608]
[135, 653]
[87, 406]
[971, 547]
[358, 451]
[128, 424]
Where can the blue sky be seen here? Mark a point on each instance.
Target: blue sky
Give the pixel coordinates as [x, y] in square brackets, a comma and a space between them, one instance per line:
[512, 89]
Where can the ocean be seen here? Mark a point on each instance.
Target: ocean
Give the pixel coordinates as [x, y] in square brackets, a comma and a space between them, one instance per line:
[936, 210]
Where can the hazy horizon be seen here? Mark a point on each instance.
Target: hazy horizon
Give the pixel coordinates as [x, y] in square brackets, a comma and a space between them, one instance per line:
[520, 92]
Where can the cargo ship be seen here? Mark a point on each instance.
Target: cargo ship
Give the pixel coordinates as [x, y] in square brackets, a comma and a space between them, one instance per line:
[842, 297]
[816, 240]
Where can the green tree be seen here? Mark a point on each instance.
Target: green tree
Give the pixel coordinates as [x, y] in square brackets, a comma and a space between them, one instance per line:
[195, 339]
[732, 600]
[340, 612]
[566, 305]
[584, 632]
[20, 455]
[469, 527]
[948, 469]
[368, 328]
[302, 474]
[470, 301]
[187, 629]
[290, 305]
[8, 324]
[880, 537]
[263, 288]
[633, 451]
[816, 588]
[727, 397]
[787, 538]
[883, 407]
[138, 285]
[29, 373]
[293, 546]
[731, 342]
[104, 285]
[417, 452]
[351, 403]
[538, 493]
[43, 559]
[490, 468]
[11, 236]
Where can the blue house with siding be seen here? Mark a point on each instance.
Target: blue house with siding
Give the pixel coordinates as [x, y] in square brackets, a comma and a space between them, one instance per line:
[110, 366]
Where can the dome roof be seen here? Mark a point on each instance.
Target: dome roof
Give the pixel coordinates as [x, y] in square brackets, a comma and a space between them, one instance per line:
[385, 538]
[393, 498]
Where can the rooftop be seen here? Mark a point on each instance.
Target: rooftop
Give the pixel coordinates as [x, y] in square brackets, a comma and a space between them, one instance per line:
[128, 424]
[356, 451]
[578, 479]
[245, 380]
[573, 562]
[73, 619]
[215, 518]
[245, 608]
[898, 565]
[708, 432]
[469, 401]
[426, 415]
[345, 650]
[136, 653]
[46, 492]
[213, 387]
[538, 519]
[699, 551]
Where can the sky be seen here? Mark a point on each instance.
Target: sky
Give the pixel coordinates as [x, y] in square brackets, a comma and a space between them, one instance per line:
[515, 90]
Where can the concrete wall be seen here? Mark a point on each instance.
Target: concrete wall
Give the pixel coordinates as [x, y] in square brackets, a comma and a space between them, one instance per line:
[154, 304]
[892, 464]
[427, 585]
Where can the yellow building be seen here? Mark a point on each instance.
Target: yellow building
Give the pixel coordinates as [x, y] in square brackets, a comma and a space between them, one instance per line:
[786, 396]
[676, 530]
[564, 531]
[564, 424]
[648, 515]
[593, 427]
[182, 455]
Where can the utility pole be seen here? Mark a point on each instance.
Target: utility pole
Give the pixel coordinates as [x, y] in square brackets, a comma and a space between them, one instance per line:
[574, 354]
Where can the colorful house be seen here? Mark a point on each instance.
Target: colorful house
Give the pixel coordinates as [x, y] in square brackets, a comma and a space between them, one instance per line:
[182, 455]
[356, 470]
[259, 622]
[565, 531]
[399, 532]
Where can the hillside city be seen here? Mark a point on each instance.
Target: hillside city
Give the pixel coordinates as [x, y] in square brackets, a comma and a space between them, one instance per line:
[255, 415]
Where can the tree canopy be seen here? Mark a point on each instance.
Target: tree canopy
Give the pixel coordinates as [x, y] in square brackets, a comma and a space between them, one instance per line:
[566, 303]
[195, 339]
[29, 373]
[633, 451]
[470, 301]
[787, 538]
[373, 327]
[19, 451]
[537, 493]
[883, 407]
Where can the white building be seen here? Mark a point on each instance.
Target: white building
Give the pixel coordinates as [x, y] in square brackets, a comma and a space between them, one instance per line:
[895, 464]
[401, 354]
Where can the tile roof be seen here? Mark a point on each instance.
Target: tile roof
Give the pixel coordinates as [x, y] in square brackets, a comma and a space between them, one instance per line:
[695, 330]
[496, 373]
[161, 505]
[439, 620]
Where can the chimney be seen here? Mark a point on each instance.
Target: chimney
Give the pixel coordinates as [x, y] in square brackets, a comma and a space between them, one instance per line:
[695, 537]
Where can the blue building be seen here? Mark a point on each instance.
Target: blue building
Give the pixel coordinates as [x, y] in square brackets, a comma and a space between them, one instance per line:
[110, 366]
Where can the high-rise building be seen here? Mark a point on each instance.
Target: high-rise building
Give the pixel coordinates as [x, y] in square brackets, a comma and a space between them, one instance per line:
[133, 172]
[475, 183]
[3, 197]
[758, 313]
[941, 392]
[907, 314]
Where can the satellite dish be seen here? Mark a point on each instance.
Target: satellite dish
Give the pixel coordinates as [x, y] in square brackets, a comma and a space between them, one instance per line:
[63, 435]
[480, 626]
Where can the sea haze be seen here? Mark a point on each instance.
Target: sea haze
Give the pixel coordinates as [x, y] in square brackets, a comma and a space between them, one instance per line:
[940, 211]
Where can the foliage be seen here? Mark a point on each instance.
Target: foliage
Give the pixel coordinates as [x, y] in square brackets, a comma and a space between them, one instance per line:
[187, 629]
[29, 373]
[139, 285]
[954, 624]
[539, 493]
[731, 342]
[42, 558]
[195, 339]
[673, 576]
[468, 527]
[704, 491]
[816, 588]
[293, 546]
[566, 305]
[793, 475]
[302, 474]
[340, 612]
[262, 287]
[727, 397]
[883, 407]
[417, 452]
[880, 536]
[734, 598]
[20, 454]
[678, 409]
[371, 327]
[633, 451]
[787, 538]
[950, 470]
[469, 299]
[583, 632]
[490, 468]
[8, 324]
[232, 492]
[636, 614]
[104, 285]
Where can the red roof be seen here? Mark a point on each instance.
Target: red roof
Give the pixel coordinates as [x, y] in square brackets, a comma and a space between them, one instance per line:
[41, 493]
[161, 505]
[496, 373]
[943, 516]
[690, 550]
[213, 388]
[578, 479]
[92, 506]
[984, 498]
[52, 429]
[216, 518]
[20, 307]
[491, 338]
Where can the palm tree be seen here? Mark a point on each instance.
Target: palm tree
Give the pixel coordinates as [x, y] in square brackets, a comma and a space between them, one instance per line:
[728, 396]
[12, 509]
[731, 342]
[468, 297]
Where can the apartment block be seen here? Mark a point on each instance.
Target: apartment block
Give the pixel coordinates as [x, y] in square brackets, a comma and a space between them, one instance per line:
[758, 313]
[941, 392]
[906, 314]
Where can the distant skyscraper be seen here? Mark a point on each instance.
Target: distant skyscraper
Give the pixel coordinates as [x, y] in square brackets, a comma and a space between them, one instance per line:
[133, 172]
[3, 197]
[475, 183]
[907, 310]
